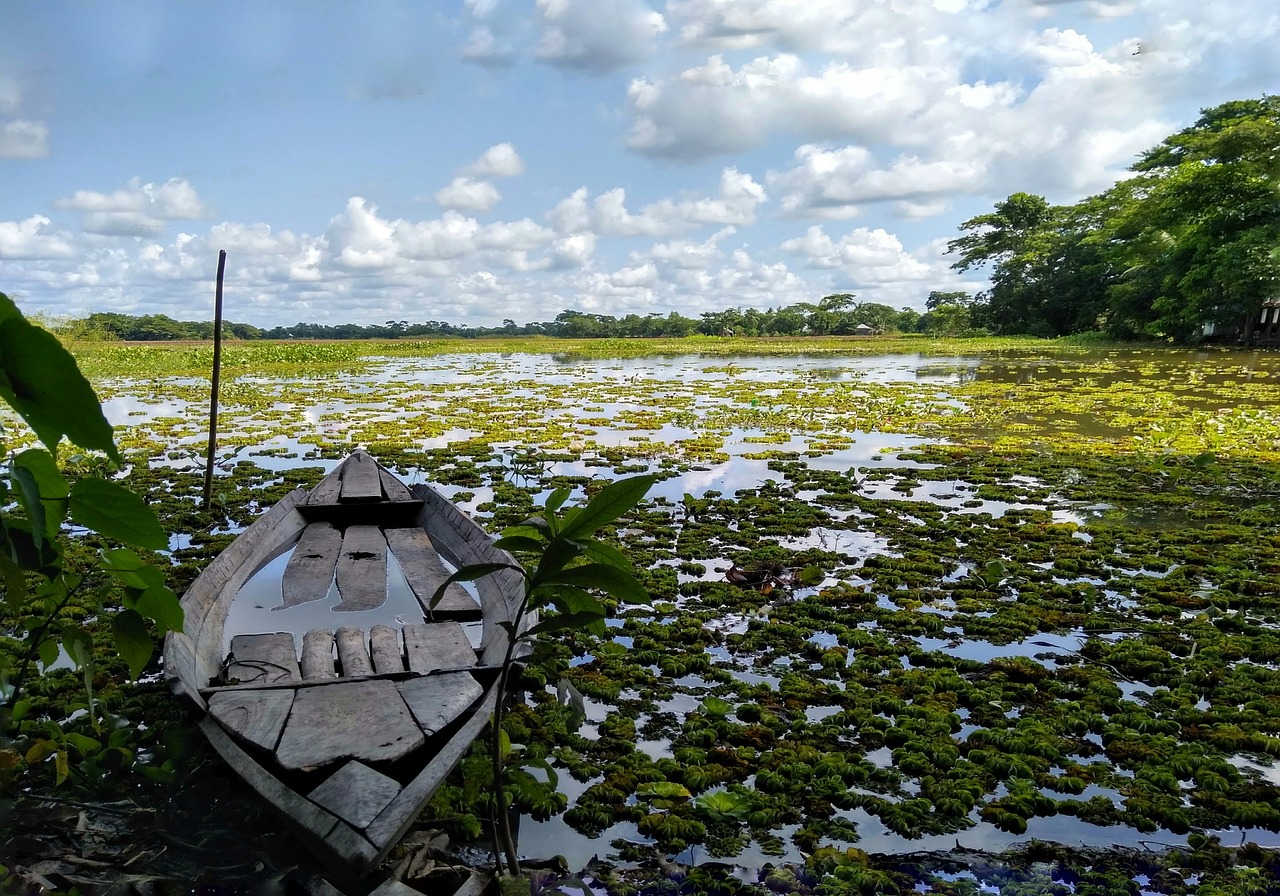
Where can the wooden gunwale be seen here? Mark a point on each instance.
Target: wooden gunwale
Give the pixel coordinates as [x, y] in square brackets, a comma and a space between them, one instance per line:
[195, 656]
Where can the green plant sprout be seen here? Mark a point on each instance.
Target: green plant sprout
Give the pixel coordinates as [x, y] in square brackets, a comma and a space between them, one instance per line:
[566, 562]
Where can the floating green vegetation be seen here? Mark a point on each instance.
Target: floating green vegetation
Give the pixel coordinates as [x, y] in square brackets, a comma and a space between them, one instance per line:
[897, 611]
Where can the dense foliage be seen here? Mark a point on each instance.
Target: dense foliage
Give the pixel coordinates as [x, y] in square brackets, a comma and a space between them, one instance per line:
[834, 315]
[1185, 247]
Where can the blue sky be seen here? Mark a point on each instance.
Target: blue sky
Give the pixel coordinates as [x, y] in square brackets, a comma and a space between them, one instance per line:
[495, 159]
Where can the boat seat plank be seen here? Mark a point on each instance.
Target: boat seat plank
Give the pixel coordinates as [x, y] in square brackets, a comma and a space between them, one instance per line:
[309, 573]
[425, 572]
[393, 488]
[437, 645]
[263, 659]
[384, 649]
[361, 572]
[356, 794]
[317, 654]
[256, 717]
[364, 720]
[360, 480]
[353, 653]
[437, 700]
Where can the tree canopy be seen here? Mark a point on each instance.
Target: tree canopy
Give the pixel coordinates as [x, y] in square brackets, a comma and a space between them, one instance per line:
[1185, 246]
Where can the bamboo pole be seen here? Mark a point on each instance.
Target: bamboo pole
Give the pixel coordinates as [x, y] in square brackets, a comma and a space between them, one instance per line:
[217, 373]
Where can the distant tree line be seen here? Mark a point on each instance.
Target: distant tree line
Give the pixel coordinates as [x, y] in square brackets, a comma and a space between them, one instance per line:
[834, 315]
[1186, 247]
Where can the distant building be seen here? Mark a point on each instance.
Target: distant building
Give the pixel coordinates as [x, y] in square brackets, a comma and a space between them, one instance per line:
[864, 330]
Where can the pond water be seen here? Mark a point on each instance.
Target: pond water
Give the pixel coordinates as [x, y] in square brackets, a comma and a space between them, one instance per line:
[998, 535]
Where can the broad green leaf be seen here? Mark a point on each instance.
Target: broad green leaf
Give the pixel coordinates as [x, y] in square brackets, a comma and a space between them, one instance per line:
[29, 494]
[470, 574]
[133, 641]
[49, 653]
[558, 554]
[60, 767]
[516, 543]
[84, 744]
[20, 710]
[45, 469]
[39, 750]
[15, 580]
[611, 502]
[565, 622]
[666, 790]
[615, 582]
[126, 567]
[714, 706]
[524, 530]
[567, 599]
[110, 509]
[162, 606]
[556, 499]
[40, 380]
[600, 552]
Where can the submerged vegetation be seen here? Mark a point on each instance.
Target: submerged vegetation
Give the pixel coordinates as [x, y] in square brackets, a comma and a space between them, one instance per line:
[904, 609]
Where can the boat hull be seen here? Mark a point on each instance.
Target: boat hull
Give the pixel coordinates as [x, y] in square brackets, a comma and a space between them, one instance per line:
[350, 733]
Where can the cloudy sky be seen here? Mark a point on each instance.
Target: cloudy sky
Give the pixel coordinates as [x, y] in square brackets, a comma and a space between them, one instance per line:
[494, 159]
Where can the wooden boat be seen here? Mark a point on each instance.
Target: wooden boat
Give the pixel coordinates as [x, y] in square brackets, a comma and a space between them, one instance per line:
[349, 751]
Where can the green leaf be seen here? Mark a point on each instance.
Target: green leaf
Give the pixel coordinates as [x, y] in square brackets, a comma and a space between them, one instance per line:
[133, 641]
[49, 653]
[556, 499]
[45, 469]
[611, 502]
[44, 491]
[29, 494]
[714, 706]
[40, 380]
[470, 574]
[520, 543]
[599, 552]
[162, 606]
[110, 509]
[619, 583]
[565, 622]
[666, 790]
[126, 567]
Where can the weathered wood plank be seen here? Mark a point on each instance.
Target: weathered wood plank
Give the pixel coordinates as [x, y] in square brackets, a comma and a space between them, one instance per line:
[329, 488]
[309, 573]
[425, 572]
[361, 572]
[256, 717]
[360, 480]
[438, 700]
[393, 488]
[353, 653]
[356, 794]
[180, 668]
[384, 647]
[315, 823]
[317, 654]
[387, 829]
[263, 658]
[437, 645]
[364, 720]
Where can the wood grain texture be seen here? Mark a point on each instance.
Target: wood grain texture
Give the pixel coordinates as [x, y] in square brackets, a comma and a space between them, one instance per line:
[353, 653]
[263, 659]
[387, 829]
[425, 572]
[385, 650]
[393, 488]
[438, 700]
[256, 717]
[437, 645]
[356, 794]
[360, 480]
[309, 573]
[361, 572]
[317, 654]
[328, 490]
[364, 720]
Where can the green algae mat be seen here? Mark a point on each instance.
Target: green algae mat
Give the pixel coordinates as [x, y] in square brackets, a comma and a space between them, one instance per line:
[946, 617]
